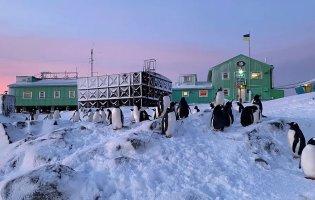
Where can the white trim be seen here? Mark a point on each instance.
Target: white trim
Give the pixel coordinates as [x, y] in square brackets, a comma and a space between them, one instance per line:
[43, 93]
[73, 94]
[57, 96]
[228, 75]
[31, 95]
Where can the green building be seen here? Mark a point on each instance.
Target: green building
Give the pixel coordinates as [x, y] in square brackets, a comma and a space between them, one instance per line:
[240, 78]
[46, 94]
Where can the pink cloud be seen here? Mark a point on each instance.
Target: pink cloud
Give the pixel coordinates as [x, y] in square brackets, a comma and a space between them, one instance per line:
[29, 56]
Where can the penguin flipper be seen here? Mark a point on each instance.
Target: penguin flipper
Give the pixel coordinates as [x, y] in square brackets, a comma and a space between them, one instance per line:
[295, 142]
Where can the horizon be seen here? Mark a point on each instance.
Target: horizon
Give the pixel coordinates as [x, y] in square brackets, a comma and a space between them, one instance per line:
[190, 38]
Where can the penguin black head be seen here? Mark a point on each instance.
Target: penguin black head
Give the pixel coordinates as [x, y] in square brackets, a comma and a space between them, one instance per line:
[196, 107]
[257, 97]
[294, 126]
[228, 104]
[311, 141]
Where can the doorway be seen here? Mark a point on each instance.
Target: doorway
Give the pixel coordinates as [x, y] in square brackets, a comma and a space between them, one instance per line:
[241, 94]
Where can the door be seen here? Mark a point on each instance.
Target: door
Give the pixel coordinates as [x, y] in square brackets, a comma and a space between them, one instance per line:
[241, 94]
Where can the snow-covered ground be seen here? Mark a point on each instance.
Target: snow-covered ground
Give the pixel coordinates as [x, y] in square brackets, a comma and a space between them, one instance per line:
[91, 161]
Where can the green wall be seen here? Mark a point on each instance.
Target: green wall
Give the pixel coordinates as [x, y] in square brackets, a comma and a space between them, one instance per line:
[177, 94]
[49, 100]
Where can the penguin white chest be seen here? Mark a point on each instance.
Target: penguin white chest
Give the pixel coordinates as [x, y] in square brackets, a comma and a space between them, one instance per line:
[136, 114]
[171, 128]
[308, 161]
[219, 99]
[256, 115]
[116, 119]
[291, 134]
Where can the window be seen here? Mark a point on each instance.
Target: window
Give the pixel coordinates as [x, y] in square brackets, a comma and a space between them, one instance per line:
[71, 94]
[256, 75]
[57, 94]
[27, 95]
[203, 93]
[225, 75]
[185, 94]
[41, 95]
[226, 91]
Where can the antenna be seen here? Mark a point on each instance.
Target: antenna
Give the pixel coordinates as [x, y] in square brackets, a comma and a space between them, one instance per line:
[91, 62]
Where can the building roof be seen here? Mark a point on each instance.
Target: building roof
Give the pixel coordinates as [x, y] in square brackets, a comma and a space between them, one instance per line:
[242, 55]
[46, 82]
[198, 85]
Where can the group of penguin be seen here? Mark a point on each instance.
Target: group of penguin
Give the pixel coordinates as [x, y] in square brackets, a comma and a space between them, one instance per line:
[222, 115]
[306, 152]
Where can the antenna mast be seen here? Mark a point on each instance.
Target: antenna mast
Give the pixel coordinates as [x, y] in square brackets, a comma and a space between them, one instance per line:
[91, 62]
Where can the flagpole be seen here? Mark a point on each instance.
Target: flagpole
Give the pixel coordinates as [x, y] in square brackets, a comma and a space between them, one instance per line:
[249, 72]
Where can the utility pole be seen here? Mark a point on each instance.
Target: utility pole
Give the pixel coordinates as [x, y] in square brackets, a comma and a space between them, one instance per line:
[91, 62]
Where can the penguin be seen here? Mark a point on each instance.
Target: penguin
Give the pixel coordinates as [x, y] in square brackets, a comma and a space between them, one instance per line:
[183, 108]
[76, 116]
[219, 98]
[49, 116]
[308, 159]
[212, 105]
[97, 118]
[169, 121]
[132, 119]
[196, 110]
[159, 108]
[247, 115]
[37, 113]
[144, 115]
[166, 104]
[117, 118]
[217, 119]
[89, 115]
[4, 138]
[257, 114]
[256, 100]
[240, 107]
[109, 116]
[228, 114]
[136, 113]
[56, 115]
[296, 139]
[103, 115]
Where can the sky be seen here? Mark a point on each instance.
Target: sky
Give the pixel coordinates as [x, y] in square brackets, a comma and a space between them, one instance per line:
[185, 36]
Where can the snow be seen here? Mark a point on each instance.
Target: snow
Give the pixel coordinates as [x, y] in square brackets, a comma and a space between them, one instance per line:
[87, 160]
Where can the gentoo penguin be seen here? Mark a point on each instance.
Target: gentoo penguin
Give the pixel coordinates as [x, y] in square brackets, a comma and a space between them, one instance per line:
[89, 115]
[56, 115]
[166, 104]
[219, 97]
[76, 116]
[296, 139]
[103, 115]
[37, 113]
[247, 115]
[136, 113]
[109, 116]
[257, 101]
[132, 118]
[308, 159]
[257, 114]
[169, 121]
[196, 110]
[240, 107]
[159, 108]
[117, 118]
[183, 108]
[228, 114]
[217, 119]
[97, 118]
[144, 115]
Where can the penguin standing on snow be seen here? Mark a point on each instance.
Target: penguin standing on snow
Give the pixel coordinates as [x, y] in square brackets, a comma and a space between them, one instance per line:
[136, 113]
[36, 115]
[132, 119]
[219, 97]
[169, 121]
[257, 101]
[144, 115]
[159, 108]
[109, 116]
[76, 116]
[56, 115]
[117, 118]
[196, 110]
[103, 115]
[217, 119]
[97, 118]
[166, 104]
[183, 108]
[247, 115]
[308, 159]
[296, 139]
[228, 114]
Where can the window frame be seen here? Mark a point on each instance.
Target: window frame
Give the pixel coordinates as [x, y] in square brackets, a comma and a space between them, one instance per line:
[228, 75]
[228, 91]
[39, 94]
[30, 92]
[185, 95]
[207, 93]
[261, 75]
[57, 96]
[74, 94]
